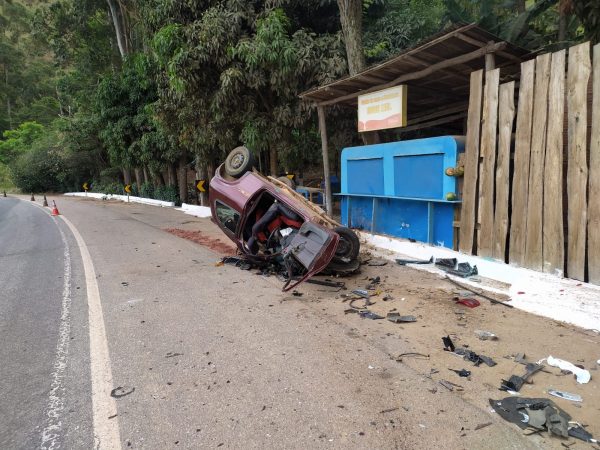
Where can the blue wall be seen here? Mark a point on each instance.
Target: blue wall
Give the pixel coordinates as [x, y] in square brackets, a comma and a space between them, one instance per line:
[399, 188]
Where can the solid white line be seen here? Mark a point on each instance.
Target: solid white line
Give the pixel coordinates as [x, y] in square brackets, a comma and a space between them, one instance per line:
[56, 401]
[106, 430]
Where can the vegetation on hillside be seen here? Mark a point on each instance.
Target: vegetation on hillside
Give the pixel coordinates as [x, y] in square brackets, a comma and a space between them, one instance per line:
[140, 91]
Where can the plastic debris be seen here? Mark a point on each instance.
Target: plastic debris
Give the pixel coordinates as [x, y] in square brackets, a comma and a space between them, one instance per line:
[515, 382]
[474, 357]
[468, 302]
[462, 372]
[486, 335]
[366, 314]
[565, 395]
[404, 262]
[583, 376]
[397, 318]
[361, 293]
[448, 344]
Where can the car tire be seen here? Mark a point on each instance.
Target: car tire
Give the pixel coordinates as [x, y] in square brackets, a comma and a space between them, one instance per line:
[238, 162]
[348, 247]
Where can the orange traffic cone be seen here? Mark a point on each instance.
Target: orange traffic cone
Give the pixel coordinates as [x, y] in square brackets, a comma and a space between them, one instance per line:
[45, 201]
[32, 197]
[55, 209]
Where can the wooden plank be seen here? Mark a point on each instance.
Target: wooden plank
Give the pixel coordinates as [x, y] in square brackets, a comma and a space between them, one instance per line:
[533, 243]
[468, 208]
[325, 152]
[506, 116]
[490, 48]
[594, 201]
[520, 184]
[553, 232]
[489, 128]
[577, 173]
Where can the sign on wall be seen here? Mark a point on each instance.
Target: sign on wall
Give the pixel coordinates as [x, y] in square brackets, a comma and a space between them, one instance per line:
[382, 109]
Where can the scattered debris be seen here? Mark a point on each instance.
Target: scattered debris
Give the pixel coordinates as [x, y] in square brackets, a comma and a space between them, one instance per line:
[565, 395]
[486, 335]
[404, 262]
[448, 344]
[468, 302]
[483, 425]
[462, 372]
[361, 293]
[397, 318]
[366, 314]
[493, 300]
[377, 262]
[172, 354]
[474, 357]
[515, 382]
[121, 391]
[450, 386]
[412, 354]
[540, 414]
[328, 283]
[389, 410]
[297, 294]
[583, 376]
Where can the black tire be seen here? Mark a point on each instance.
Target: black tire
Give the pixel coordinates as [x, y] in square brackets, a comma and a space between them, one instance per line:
[238, 162]
[348, 247]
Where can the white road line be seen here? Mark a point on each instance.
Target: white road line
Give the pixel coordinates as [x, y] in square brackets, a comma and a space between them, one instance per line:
[106, 430]
[56, 397]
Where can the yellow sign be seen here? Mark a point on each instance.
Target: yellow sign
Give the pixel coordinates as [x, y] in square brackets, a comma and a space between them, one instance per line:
[382, 109]
[291, 176]
[86, 187]
[200, 185]
[128, 188]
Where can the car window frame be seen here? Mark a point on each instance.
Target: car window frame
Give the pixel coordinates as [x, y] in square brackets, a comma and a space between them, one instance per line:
[235, 211]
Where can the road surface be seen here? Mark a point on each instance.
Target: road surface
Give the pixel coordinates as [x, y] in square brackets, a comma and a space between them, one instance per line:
[197, 355]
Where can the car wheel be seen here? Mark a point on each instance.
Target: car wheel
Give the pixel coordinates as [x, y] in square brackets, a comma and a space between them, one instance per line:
[238, 162]
[348, 245]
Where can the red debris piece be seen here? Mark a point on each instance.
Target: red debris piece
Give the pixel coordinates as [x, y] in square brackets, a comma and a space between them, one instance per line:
[468, 302]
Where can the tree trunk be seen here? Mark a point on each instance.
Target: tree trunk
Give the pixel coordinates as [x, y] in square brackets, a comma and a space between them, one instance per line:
[8, 109]
[138, 178]
[145, 172]
[273, 160]
[562, 28]
[126, 176]
[118, 23]
[171, 173]
[520, 6]
[351, 19]
[182, 178]
[202, 174]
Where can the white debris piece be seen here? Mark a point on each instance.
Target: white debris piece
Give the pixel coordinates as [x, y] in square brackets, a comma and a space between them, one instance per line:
[583, 376]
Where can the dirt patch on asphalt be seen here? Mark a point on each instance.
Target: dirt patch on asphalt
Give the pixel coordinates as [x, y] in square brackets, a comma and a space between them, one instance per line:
[214, 244]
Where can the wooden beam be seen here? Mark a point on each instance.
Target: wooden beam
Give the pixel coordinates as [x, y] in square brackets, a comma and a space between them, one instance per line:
[553, 236]
[577, 173]
[468, 209]
[535, 196]
[432, 123]
[423, 73]
[506, 116]
[520, 186]
[443, 111]
[325, 150]
[477, 43]
[489, 129]
[594, 201]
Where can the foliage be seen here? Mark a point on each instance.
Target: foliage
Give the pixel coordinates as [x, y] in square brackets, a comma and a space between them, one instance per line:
[147, 190]
[17, 142]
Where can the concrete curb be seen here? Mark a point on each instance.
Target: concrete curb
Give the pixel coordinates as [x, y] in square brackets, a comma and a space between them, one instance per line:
[123, 198]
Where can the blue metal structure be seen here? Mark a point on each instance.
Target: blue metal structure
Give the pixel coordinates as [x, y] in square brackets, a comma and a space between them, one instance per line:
[400, 188]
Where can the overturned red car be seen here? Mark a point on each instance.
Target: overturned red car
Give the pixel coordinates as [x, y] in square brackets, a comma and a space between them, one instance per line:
[270, 222]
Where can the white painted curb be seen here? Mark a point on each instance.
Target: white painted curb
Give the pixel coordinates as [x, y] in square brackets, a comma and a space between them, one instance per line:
[123, 198]
[544, 294]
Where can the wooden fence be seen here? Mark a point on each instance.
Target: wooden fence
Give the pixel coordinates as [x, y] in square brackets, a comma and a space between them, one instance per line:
[534, 200]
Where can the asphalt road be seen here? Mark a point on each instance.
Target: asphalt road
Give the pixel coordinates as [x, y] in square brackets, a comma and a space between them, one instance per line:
[205, 356]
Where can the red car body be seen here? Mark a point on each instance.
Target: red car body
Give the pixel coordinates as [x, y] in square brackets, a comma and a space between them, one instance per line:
[237, 202]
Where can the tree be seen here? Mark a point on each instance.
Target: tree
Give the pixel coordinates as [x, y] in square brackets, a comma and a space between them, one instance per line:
[351, 20]
[17, 142]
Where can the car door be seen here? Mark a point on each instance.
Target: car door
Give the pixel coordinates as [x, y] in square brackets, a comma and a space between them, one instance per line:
[312, 247]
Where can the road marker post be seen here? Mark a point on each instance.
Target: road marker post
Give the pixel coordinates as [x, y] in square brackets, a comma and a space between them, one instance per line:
[45, 201]
[128, 191]
[32, 197]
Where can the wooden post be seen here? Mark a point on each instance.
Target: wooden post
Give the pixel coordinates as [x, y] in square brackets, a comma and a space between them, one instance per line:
[325, 150]
[490, 60]
[594, 200]
[577, 170]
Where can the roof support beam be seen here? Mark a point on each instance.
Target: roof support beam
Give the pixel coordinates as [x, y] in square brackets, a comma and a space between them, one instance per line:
[489, 48]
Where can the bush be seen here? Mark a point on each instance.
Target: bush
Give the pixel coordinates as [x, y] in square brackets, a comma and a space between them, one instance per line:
[147, 190]
[167, 194]
[38, 170]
